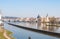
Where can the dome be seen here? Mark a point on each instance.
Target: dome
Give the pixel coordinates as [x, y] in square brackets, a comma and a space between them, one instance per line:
[38, 16]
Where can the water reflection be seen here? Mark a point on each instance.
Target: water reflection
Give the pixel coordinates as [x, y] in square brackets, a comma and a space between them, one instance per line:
[20, 33]
[30, 25]
[51, 28]
[41, 26]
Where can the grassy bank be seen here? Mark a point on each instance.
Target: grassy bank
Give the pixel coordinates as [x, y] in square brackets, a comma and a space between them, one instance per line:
[8, 33]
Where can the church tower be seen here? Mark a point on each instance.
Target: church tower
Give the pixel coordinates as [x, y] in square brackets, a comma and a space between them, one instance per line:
[38, 21]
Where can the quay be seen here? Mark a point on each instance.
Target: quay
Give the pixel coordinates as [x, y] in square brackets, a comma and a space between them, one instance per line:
[38, 31]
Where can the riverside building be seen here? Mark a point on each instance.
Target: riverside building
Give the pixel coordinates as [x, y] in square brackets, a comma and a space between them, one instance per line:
[47, 23]
[1, 23]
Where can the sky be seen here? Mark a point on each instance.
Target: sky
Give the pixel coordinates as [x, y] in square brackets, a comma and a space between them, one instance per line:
[30, 8]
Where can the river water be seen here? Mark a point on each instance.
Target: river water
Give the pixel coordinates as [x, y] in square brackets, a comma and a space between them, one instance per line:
[20, 33]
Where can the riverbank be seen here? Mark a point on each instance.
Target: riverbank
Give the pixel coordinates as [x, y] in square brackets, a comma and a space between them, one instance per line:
[39, 31]
[5, 34]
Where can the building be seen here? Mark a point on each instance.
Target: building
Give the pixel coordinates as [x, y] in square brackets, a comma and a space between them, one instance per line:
[47, 22]
[38, 21]
[1, 23]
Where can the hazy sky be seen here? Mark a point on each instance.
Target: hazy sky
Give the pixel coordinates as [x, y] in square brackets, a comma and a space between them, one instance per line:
[30, 8]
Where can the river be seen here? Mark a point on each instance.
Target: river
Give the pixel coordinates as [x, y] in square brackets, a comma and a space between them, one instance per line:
[20, 33]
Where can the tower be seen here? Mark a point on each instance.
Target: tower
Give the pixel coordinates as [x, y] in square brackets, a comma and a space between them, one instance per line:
[38, 21]
[47, 15]
[1, 23]
[47, 18]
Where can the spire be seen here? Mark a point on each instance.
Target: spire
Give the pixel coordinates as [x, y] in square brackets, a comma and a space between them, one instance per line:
[47, 15]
